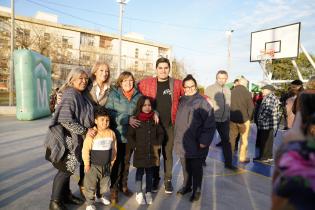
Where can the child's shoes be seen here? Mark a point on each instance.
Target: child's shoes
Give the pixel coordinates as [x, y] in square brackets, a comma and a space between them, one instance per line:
[140, 198]
[148, 198]
[90, 207]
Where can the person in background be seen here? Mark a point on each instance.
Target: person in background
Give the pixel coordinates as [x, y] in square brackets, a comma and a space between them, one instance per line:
[98, 154]
[220, 97]
[145, 140]
[72, 120]
[165, 92]
[294, 173]
[194, 131]
[296, 86]
[242, 108]
[267, 123]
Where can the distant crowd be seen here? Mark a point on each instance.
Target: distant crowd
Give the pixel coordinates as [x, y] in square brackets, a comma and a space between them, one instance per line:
[98, 127]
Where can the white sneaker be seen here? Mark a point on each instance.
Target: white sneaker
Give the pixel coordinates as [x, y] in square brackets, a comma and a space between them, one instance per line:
[148, 198]
[90, 207]
[102, 200]
[140, 198]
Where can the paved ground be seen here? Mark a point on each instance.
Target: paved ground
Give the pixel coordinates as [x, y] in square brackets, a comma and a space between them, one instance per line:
[26, 178]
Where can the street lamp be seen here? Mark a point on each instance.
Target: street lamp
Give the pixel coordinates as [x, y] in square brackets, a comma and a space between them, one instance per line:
[121, 3]
[229, 36]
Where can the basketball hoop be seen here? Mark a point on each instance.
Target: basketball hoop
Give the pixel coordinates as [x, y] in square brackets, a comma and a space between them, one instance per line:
[266, 55]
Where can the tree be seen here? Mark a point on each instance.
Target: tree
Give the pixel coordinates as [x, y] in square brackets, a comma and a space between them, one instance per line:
[283, 69]
[178, 69]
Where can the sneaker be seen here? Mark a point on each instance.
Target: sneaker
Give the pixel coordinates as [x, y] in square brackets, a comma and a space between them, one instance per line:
[140, 198]
[102, 200]
[168, 187]
[90, 207]
[148, 198]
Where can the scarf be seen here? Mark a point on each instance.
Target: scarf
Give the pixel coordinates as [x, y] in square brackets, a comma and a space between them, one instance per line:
[145, 116]
[129, 94]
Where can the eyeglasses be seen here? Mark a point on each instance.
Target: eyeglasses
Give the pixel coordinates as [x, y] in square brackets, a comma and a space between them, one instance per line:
[190, 87]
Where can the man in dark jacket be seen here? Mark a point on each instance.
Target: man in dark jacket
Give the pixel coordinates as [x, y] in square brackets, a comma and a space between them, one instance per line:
[242, 108]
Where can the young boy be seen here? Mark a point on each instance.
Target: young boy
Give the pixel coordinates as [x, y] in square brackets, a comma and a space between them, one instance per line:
[98, 154]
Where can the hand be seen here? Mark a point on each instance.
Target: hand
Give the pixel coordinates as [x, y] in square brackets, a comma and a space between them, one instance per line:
[59, 96]
[156, 118]
[86, 168]
[202, 146]
[133, 122]
[91, 132]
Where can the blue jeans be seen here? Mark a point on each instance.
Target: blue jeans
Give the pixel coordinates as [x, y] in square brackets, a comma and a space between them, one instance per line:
[149, 179]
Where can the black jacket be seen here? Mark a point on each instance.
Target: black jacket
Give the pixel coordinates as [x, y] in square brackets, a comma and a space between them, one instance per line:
[146, 140]
[194, 125]
[242, 105]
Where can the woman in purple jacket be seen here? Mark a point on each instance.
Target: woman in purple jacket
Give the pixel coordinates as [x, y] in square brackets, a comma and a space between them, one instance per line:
[194, 130]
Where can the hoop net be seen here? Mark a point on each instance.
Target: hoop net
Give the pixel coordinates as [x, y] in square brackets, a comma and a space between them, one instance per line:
[266, 55]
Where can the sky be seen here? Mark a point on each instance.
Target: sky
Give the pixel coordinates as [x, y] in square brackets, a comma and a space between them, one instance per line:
[195, 29]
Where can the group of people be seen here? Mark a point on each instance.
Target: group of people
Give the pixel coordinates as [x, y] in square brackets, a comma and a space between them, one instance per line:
[97, 127]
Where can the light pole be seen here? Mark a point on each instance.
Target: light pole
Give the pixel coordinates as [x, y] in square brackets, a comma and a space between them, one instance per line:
[122, 3]
[229, 37]
[11, 101]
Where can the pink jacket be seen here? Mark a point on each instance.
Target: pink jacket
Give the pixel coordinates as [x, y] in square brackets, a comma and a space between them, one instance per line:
[148, 87]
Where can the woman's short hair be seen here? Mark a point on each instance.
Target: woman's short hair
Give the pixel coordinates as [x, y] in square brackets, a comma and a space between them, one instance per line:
[96, 66]
[73, 74]
[124, 75]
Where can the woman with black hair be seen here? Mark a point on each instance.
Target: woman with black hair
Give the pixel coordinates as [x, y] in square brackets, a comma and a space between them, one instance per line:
[194, 131]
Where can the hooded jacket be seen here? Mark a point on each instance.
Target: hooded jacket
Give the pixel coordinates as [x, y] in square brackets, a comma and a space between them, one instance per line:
[194, 125]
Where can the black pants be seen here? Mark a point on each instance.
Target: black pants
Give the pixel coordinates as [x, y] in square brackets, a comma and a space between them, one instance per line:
[192, 172]
[223, 129]
[120, 170]
[61, 185]
[148, 179]
[265, 143]
[167, 152]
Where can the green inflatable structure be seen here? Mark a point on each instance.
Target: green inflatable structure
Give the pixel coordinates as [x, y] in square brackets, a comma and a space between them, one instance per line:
[32, 83]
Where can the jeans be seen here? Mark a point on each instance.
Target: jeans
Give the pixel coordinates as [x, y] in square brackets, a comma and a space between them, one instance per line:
[149, 179]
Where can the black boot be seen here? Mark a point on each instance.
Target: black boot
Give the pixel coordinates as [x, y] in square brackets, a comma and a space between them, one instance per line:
[71, 199]
[57, 205]
[184, 190]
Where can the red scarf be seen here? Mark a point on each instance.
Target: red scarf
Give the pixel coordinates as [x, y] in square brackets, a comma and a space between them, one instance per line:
[145, 116]
[129, 94]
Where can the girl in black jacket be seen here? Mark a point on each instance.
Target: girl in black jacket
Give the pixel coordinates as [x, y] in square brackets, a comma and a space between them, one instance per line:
[146, 140]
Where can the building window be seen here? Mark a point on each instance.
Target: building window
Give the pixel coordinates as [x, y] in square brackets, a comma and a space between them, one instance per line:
[136, 65]
[87, 39]
[136, 53]
[46, 36]
[64, 73]
[105, 42]
[64, 42]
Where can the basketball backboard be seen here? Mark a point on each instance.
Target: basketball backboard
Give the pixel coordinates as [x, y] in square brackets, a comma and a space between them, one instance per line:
[275, 43]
